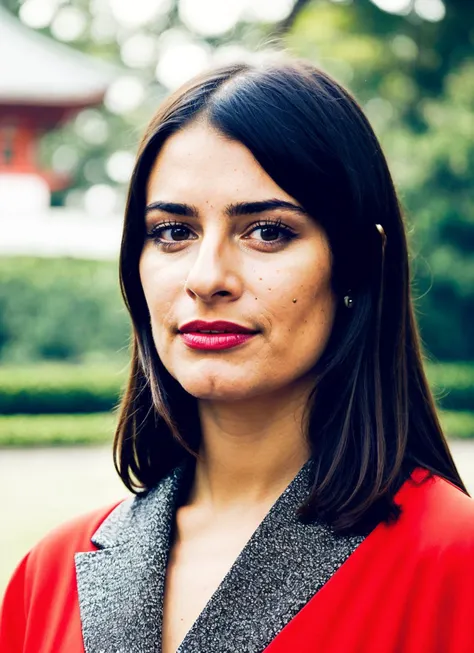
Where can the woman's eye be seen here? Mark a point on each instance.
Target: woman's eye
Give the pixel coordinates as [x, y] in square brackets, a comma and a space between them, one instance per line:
[167, 235]
[271, 233]
[175, 233]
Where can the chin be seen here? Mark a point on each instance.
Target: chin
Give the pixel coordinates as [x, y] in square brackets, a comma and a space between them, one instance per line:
[216, 389]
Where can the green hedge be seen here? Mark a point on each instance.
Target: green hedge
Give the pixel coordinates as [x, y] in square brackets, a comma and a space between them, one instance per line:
[453, 385]
[56, 430]
[98, 428]
[59, 388]
[60, 309]
[457, 424]
[70, 388]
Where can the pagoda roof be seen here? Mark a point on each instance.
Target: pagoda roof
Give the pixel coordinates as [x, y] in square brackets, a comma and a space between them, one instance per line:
[42, 71]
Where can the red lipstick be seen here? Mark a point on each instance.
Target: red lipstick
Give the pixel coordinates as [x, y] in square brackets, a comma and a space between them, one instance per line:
[196, 334]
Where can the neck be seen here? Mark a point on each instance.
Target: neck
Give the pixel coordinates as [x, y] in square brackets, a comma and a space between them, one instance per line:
[250, 450]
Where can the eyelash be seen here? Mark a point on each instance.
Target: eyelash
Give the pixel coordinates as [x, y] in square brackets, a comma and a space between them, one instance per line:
[156, 231]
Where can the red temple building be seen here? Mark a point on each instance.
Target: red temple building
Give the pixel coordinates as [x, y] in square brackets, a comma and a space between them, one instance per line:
[42, 84]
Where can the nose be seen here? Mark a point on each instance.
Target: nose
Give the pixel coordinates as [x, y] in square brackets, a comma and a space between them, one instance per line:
[215, 271]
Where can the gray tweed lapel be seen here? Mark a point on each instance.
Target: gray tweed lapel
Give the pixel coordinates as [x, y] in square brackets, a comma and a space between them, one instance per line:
[280, 569]
[121, 585]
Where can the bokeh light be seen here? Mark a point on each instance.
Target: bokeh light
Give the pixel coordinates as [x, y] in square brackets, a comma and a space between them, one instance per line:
[124, 94]
[269, 10]
[91, 126]
[100, 200]
[181, 57]
[69, 24]
[135, 13]
[394, 6]
[231, 53]
[65, 159]
[139, 50]
[38, 13]
[119, 166]
[210, 17]
[404, 47]
[431, 10]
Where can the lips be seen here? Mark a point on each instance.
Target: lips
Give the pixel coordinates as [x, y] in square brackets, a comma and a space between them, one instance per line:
[221, 326]
[215, 336]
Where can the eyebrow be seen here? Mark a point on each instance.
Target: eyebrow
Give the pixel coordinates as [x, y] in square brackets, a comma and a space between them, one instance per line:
[231, 210]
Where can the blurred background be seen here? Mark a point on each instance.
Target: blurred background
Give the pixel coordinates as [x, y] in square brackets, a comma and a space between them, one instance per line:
[79, 80]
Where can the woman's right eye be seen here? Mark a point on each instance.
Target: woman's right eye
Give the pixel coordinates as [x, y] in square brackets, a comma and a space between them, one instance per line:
[168, 234]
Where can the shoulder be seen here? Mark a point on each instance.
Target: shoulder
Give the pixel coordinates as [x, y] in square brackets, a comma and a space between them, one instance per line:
[44, 580]
[438, 516]
[54, 553]
[102, 528]
[74, 535]
[437, 548]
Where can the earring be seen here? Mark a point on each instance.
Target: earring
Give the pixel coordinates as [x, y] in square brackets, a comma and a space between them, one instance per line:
[348, 301]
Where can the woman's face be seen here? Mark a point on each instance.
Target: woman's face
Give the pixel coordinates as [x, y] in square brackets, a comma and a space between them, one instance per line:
[210, 255]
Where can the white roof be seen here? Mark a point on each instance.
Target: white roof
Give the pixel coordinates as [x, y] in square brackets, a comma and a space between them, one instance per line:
[60, 232]
[43, 71]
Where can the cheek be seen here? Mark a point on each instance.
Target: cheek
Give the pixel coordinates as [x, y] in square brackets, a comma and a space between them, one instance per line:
[298, 293]
[146, 268]
[157, 288]
[312, 315]
[301, 328]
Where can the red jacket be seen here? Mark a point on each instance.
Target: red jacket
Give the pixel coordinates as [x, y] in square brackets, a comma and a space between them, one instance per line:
[407, 588]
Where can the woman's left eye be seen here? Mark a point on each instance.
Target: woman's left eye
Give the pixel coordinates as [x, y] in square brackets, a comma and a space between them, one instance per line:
[272, 232]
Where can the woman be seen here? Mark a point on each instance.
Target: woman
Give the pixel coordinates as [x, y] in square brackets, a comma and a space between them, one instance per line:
[294, 489]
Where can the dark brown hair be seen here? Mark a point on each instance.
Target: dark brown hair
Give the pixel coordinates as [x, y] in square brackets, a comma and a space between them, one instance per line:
[371, 418]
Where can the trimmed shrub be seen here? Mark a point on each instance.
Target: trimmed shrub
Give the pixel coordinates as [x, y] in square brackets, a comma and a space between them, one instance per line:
[453, 385]
[457, 424]
[98, 428]
[56, 430]
[59, 388]
[60, 309]
[88, 388]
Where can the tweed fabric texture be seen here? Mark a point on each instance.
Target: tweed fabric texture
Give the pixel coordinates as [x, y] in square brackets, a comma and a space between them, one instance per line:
[279, 570]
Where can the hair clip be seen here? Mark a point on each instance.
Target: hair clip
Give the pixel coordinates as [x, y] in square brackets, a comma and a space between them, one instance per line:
[381, 231]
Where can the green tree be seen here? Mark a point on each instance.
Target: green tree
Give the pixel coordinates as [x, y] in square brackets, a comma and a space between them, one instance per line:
[415, 80]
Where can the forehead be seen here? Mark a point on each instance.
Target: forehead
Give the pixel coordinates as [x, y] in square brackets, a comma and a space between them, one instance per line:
[200, 165]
